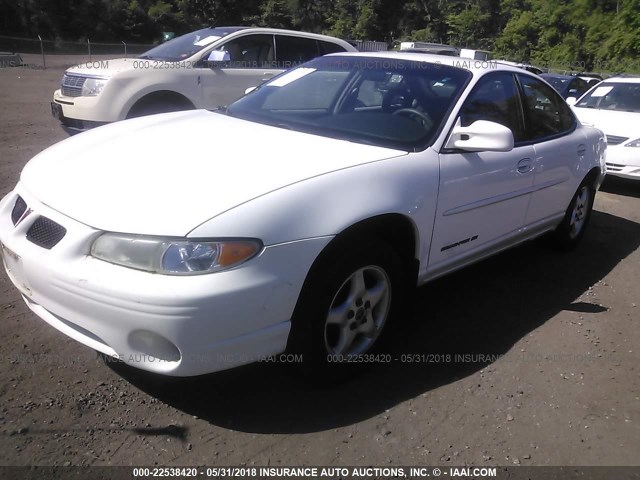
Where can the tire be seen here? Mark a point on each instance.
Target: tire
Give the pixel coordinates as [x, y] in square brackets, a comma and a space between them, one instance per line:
[576, 219]
[349, 298]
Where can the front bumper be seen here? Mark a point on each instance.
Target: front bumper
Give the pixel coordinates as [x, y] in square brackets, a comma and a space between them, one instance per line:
[174, 325]
[623, 161]
[78, 114]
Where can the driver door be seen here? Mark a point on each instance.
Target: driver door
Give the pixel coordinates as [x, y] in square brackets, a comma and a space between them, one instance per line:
[483, 196]
[245, 62]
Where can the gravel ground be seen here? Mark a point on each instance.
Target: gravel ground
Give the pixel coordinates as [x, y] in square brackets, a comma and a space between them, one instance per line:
[530, 358]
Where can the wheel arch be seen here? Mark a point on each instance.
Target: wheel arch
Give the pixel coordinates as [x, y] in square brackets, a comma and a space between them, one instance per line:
[593, 177]
[159, 97]
[398, 230]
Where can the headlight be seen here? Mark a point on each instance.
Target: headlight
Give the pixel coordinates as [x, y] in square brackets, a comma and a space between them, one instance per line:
[93, 86]
[173, 256]
[633, 143]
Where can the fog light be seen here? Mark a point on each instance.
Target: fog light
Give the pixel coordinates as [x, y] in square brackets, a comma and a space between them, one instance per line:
[152, 348]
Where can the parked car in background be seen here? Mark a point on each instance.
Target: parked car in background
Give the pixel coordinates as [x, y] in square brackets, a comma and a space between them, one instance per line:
[614, 107]
[298, 219]
[591, 78]
[566, 85]
[207, 68]
[524, 66]
[428, 47]
[482, 55]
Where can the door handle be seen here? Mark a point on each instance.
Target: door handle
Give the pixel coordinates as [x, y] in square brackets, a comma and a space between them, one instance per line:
[525, 165]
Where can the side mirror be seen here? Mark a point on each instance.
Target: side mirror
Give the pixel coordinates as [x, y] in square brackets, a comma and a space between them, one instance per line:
[480, 136]
[249, 90]
[571, 101]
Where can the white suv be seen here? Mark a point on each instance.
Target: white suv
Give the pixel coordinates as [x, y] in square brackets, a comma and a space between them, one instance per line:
[207, 68]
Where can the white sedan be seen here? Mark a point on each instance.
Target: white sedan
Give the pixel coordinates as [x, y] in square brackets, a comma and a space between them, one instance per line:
[298, 219]
[614, 107]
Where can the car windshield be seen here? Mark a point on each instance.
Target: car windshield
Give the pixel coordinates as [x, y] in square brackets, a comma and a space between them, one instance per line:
[187, 45]
[613, 96]
[380, 101]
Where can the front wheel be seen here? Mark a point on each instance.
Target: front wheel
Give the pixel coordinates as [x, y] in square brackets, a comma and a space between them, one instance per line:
[569, 233]
[347, 302]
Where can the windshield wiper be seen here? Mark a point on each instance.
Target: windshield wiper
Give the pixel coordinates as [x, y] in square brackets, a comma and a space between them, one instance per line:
[221, 109]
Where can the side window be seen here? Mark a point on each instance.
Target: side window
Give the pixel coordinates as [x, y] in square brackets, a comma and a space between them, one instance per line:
[292, 51]
[251, 51]
[547, 114]
[328, 47]
[495, 98]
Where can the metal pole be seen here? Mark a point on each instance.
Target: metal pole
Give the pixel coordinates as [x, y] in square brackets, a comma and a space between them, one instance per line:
[44, 62]
[125, 49]
[89, 47]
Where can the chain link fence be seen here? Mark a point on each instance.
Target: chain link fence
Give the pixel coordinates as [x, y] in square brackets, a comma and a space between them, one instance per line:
[44, 48]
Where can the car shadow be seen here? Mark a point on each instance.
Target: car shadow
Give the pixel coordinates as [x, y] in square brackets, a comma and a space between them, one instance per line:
[480, 311]
[621, 186]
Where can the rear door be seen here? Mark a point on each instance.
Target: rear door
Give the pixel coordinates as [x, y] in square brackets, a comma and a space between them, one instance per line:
[292, 51]
[551, 127]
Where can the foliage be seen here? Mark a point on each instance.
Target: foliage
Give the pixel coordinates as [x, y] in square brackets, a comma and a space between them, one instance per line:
[601, 35]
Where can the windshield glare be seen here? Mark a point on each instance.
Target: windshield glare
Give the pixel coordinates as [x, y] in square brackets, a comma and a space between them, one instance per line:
[380, 101]
[613, 96]
[186, 45]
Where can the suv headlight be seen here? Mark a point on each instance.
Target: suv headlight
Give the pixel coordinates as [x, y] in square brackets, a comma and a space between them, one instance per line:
[93, 86]
[633, 143]
[172, 256]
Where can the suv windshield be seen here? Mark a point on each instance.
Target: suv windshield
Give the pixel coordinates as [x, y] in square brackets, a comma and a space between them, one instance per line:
[613, 96]
[380, 101]
[186, 45]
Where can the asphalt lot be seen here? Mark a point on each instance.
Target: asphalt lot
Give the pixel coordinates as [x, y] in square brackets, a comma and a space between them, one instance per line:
[529, 358]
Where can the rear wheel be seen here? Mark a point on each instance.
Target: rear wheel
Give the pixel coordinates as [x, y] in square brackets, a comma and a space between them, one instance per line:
[347, 302]
[569, 233]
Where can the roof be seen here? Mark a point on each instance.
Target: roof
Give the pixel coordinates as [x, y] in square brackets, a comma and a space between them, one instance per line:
[623, 79]
[477, 67]
[227, 30]
[298, 33]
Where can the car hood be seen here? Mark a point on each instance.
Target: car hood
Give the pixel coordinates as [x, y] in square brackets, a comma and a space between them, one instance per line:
[108, 68]
[167, 174]
[611, 122]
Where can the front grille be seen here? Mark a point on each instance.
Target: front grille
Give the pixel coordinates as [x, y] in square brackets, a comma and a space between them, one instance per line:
[18, 210]
[614, 140]
[614, 167]
[45, 232]
[72, 85]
